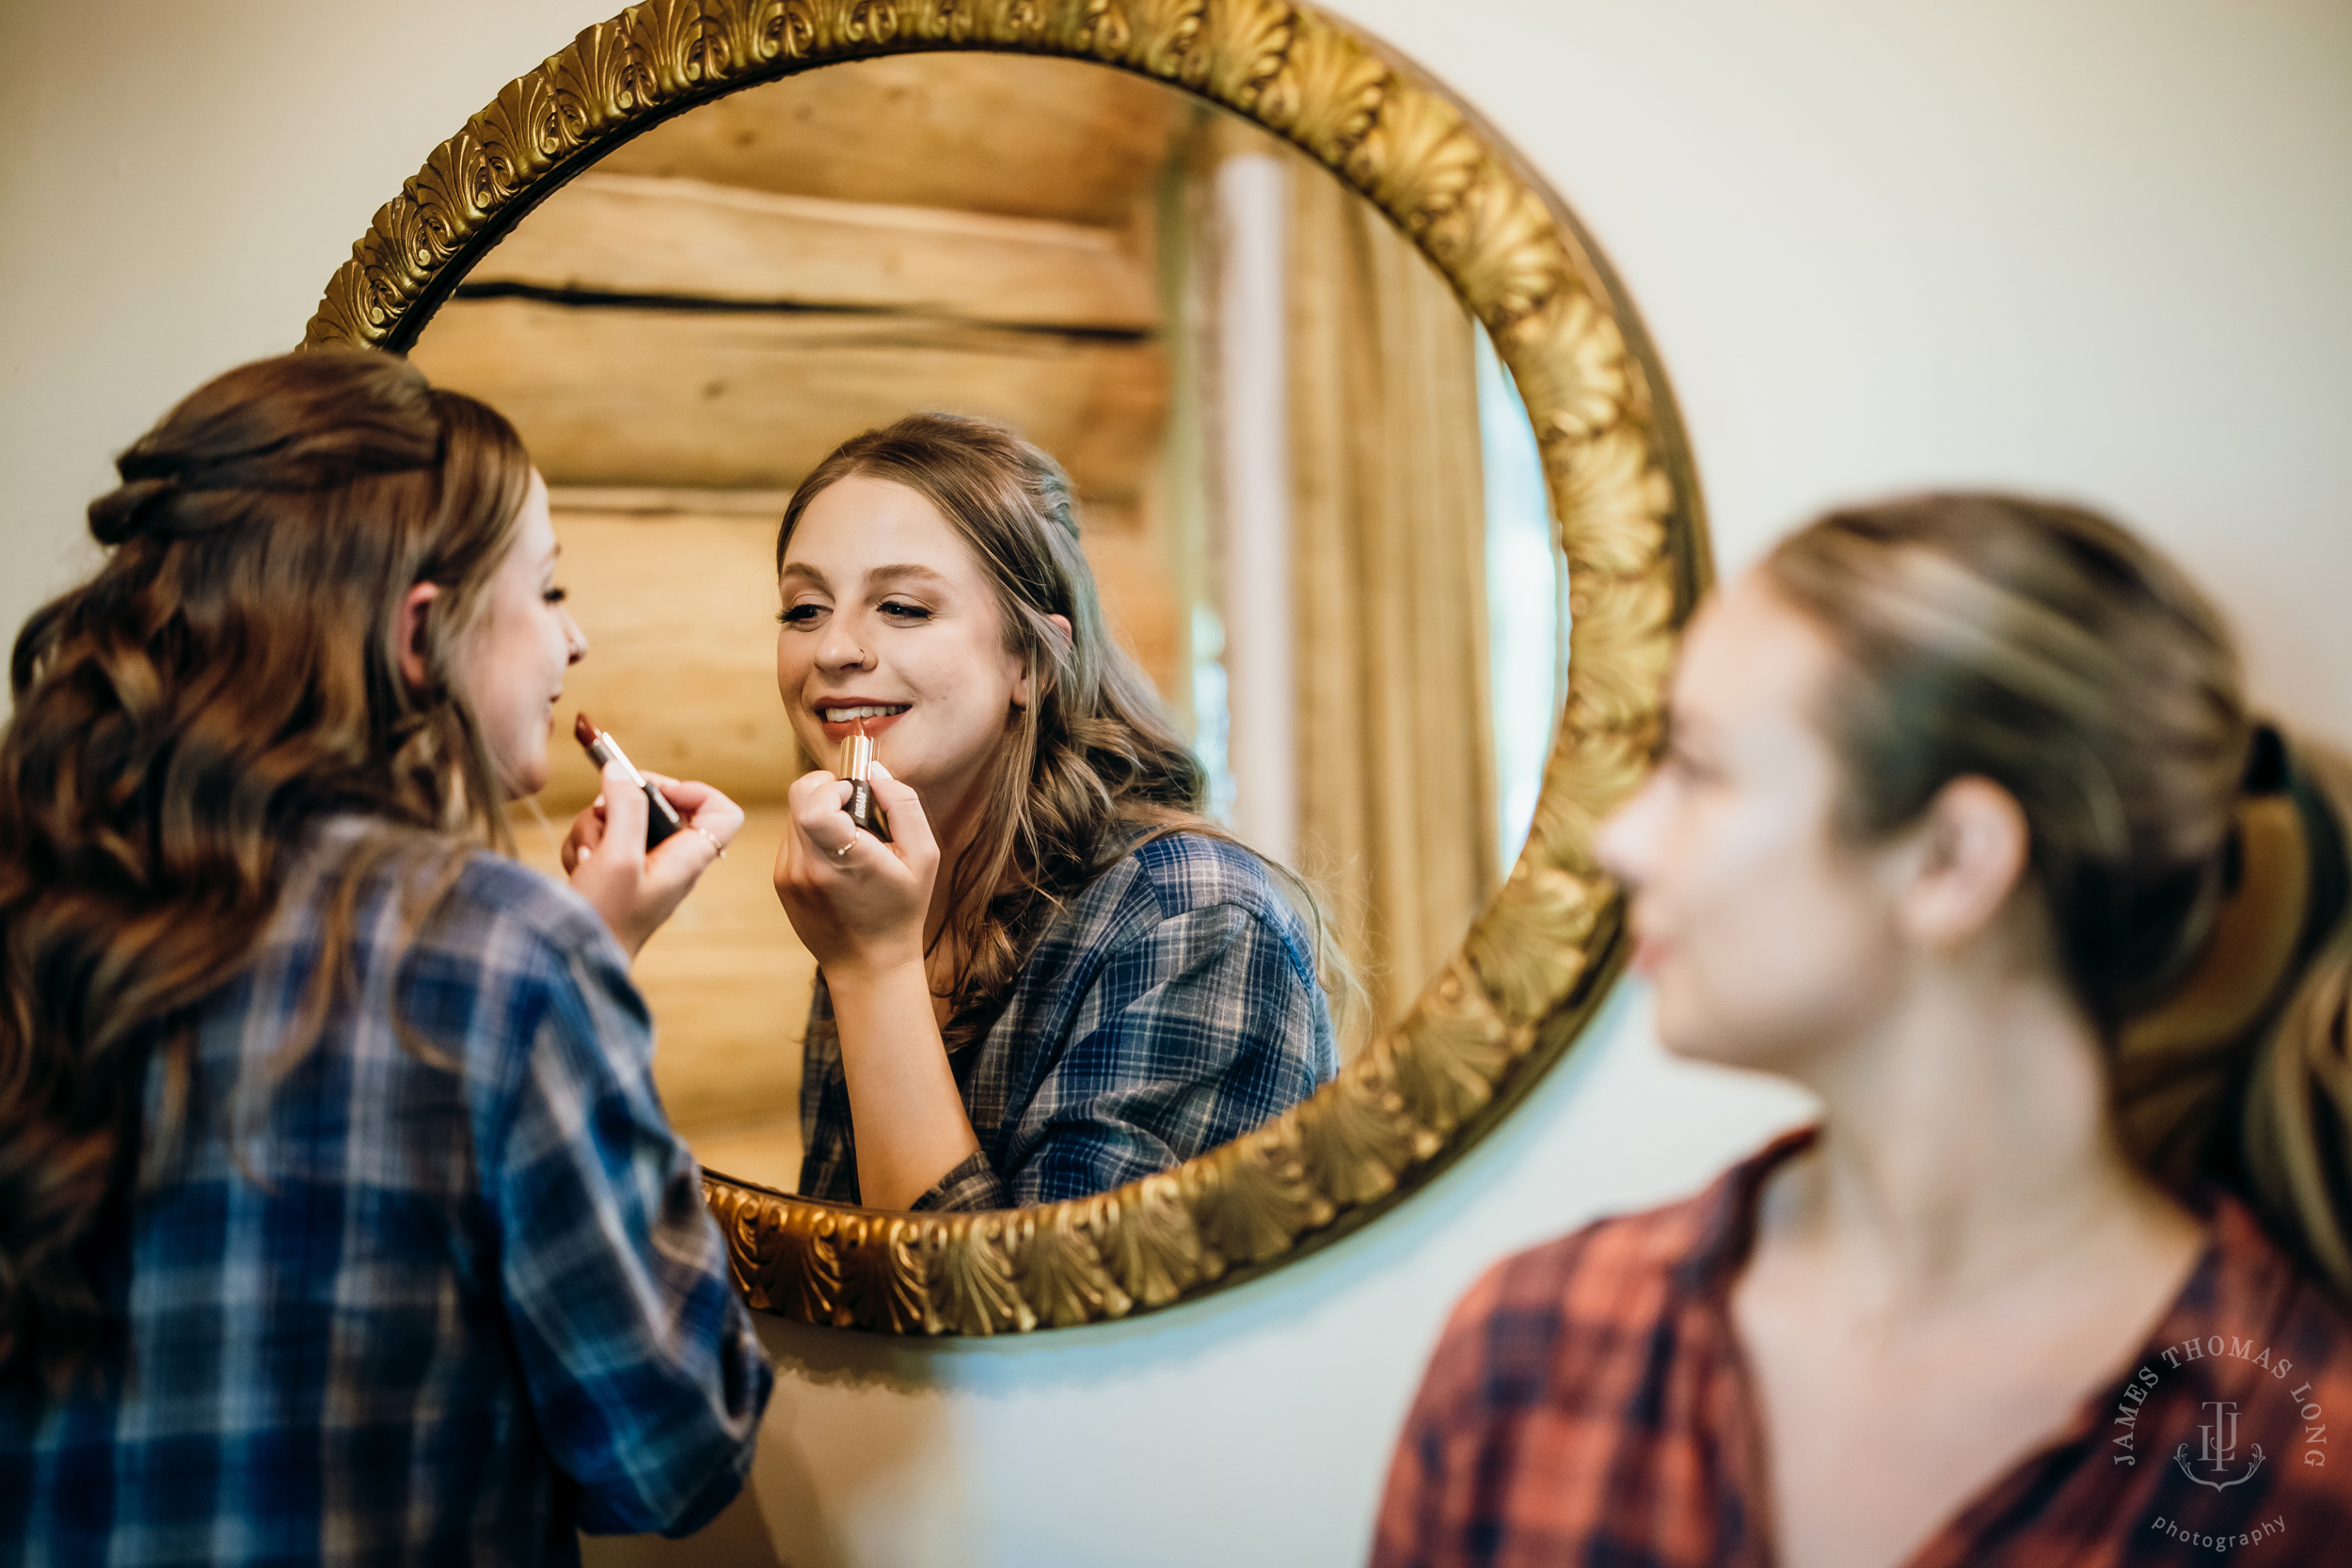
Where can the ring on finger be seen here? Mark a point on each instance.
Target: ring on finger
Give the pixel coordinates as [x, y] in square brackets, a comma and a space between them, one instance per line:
[843, 853]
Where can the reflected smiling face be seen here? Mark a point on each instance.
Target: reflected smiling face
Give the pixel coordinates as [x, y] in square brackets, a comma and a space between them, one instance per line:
[1765, 934]
[889, 618]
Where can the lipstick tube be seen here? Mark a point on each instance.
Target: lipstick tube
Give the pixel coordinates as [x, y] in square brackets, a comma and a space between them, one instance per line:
[661, 819]
[857, 755]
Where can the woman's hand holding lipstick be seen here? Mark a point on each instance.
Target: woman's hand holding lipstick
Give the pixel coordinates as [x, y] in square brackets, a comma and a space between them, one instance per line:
[634, 888]
[859, 911]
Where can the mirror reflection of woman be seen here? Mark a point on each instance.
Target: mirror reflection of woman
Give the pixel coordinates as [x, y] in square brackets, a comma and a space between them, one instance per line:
[1054, 976]
[1964, 826]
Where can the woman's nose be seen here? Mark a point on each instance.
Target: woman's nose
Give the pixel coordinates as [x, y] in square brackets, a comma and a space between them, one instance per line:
[1621, 843]
[841, 647]
[575, 641]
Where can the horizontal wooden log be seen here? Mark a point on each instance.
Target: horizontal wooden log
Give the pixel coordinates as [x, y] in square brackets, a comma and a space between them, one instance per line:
[1095, 517]
[766, 1153]
[632, 235]
[650, 501]
[755, 400]
[1027, 138]
[680, 614]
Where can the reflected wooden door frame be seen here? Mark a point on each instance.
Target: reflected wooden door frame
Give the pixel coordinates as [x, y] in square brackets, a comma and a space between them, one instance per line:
[1541, 957]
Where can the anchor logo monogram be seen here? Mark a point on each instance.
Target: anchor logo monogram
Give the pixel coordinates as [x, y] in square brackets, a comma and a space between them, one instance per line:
[2219, 1447]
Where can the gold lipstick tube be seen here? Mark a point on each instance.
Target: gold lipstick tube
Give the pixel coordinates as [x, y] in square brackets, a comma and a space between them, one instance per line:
[857, 755]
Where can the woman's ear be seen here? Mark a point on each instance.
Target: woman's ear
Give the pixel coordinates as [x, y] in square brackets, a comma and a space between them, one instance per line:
[1972, 847]
[1021, 694]
[408, 635]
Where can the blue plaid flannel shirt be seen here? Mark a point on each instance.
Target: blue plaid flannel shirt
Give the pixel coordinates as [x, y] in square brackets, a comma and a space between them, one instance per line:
[1170, 1006]
[437, 1306]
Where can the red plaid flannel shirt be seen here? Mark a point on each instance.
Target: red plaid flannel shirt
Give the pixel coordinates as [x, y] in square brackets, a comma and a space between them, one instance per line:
[1587, 1405]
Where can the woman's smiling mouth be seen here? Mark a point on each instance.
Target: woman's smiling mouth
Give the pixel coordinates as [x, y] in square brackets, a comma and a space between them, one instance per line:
[843, 718]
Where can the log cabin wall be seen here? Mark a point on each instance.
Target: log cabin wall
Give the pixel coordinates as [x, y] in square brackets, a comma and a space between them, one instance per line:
[683, 332]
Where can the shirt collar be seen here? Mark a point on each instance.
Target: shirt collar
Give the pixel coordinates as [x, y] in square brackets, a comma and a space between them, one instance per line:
[1726, 1219]
[2242, 1283]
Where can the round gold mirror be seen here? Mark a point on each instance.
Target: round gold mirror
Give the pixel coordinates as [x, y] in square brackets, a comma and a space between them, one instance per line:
[688, 264]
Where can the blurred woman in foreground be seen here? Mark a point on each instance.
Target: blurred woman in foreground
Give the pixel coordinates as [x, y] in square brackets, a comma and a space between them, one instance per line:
[1963, 825]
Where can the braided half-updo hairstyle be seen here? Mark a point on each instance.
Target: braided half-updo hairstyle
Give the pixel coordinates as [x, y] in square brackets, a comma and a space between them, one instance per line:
[229, 675]
[2191, 864]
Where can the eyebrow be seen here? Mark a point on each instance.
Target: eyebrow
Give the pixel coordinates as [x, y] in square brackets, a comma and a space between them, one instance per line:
[905, 572]
[902, 572]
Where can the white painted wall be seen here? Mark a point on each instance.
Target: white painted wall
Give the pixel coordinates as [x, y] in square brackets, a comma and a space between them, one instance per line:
[2102, 247]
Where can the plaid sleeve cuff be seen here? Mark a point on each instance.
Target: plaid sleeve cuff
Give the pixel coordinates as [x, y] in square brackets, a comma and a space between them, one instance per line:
[972, 1184]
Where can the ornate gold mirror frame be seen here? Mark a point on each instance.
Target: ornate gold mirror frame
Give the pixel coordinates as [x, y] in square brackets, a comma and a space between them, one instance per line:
[1541, 957]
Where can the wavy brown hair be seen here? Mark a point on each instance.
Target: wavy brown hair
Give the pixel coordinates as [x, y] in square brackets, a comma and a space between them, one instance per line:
[229, 676]
[2045, 648]
[1093, 764]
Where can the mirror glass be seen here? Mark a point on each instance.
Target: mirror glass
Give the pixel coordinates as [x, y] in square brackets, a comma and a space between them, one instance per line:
[1310, 497]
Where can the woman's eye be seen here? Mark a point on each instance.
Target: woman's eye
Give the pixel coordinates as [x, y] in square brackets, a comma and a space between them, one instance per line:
[556, 595]
[899, 609]
[800, 614]
[1690, 769]
[1679, 762]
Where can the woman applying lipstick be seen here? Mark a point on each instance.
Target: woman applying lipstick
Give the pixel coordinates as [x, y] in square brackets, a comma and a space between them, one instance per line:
[1052, 976]
[338, 1214]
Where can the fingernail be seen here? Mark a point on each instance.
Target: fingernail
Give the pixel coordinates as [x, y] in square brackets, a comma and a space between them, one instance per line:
[582, 859]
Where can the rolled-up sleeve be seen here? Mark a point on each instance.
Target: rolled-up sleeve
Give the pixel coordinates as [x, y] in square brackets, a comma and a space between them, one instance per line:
[972, 1184]
[643, 1367]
